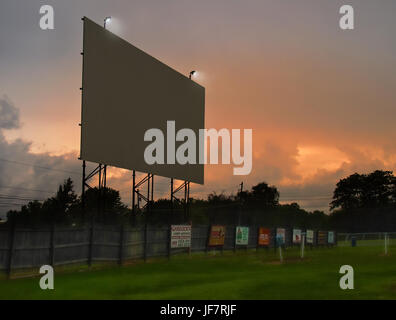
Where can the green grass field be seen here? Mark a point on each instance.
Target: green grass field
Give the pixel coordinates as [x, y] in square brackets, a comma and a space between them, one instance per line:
[241, 275]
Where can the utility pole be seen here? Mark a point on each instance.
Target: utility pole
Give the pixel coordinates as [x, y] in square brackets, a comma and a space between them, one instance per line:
[240, 203]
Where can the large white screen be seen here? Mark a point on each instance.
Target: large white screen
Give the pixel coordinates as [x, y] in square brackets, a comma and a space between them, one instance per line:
[126, 92]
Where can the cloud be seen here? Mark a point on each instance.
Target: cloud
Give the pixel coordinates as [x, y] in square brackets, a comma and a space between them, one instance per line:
[9, 115]
[279, 159]
[23, 173]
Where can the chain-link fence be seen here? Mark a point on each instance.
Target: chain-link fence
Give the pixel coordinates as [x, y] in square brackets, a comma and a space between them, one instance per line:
[22, 248]
[385, 241]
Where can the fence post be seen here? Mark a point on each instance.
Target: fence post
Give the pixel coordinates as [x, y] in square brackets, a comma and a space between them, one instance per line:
[11, 246]
[52, 246]
[208, 239]
[169, 241]
[90, 248]
[190, 247]
[121, 245]
[257, 240]
[313, 239]
[235, 246]
[145, 243]
[247, 246]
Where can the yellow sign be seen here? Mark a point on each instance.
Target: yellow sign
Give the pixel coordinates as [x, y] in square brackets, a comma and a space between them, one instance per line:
[217, 235]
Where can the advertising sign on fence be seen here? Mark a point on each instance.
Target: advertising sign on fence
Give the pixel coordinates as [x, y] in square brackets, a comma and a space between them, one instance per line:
[330, 237]
[180, 236]
[264, 237]
[310, 236]
[217, 235]
[322, 237]
[280, 236]
[296, 236]
[242, 236]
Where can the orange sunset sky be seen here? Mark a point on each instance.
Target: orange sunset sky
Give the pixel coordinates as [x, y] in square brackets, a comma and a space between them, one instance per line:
[320, 100]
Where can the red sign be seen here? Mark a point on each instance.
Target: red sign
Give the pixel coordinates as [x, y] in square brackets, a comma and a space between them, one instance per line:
[264, 237]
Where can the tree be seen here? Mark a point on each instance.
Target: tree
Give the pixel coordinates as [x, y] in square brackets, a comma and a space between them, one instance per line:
[64, 199]
[57, 208]
[267, 196]
[54, 209]
[347, 193]
[107, 198]
[215, 199]
[373, 190]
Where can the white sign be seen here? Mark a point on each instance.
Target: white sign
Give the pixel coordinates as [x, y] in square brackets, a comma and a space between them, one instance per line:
[310, 236]
[330, 237]
[180, 236]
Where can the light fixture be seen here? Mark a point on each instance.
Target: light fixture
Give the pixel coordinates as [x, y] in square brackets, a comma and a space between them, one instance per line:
[106, 20]
[192, 73]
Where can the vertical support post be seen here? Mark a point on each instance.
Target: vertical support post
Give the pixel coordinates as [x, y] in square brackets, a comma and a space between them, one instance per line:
[235, 246]
[280, 254]
[104, 183]
[386, 243]
[83, 190]
[188, 201]
[145, 243]
[100, 176]
[190, 247]
[133, 191]
[11, 246]
[104, 176]
[90, 248]
[169, 241]
[258, 236]
[302, 246]
[208, 239]
[121, 253]
[148, 194]
[52, 246]
[171, 195]
[152, 188]
[185, 201]
[100, 190]
[240, 204]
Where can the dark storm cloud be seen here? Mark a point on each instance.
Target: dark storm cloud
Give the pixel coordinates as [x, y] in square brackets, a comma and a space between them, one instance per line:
[26, 174]
[9, 115]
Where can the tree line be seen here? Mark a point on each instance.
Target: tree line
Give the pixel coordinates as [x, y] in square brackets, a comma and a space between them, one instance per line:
[361, 203]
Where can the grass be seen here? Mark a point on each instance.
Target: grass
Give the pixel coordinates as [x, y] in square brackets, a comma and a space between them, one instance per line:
[241, 275]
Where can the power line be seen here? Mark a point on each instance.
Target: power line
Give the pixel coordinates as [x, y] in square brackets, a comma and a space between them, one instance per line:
[38, 167]
[11, 197]
[20, 188]
[12, 204]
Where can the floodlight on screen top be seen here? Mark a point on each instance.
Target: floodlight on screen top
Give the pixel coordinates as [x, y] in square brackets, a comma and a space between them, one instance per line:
[125, 93]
